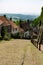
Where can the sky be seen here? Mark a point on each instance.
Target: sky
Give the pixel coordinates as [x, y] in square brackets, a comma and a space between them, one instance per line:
[32, 7]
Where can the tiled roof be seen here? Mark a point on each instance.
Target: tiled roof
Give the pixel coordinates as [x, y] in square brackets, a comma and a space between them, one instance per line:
[8, 22]
[13, 24]
[5, 21]
[20, 29]
[25, 26]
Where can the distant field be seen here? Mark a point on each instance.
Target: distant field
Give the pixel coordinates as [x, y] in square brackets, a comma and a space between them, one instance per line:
[19, 52]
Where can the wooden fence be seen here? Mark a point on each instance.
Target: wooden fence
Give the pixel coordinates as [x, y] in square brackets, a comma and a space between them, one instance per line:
[39, 40]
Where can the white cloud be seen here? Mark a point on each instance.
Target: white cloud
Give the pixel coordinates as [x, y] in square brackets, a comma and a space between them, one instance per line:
[21, 6]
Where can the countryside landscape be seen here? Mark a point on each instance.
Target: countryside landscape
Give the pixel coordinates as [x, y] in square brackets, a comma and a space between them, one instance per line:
[21, 32]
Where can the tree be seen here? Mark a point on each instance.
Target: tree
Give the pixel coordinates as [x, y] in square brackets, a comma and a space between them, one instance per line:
[17, 22]
[39, 23]
[3, 31]
[4, 16]
[28, 21]
[20, 21]
[10, 18]
[5, 35]
[42, 11]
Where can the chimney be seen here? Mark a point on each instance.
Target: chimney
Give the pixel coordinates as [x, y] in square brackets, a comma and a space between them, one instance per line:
[20, 22]
[28, 21]
[11, 18]
[4, 16]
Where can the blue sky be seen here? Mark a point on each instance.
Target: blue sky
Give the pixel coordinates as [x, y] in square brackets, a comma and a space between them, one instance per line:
[21, 6]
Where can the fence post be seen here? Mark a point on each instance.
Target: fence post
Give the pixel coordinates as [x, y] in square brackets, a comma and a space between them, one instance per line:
[40, 47]
[37, 45]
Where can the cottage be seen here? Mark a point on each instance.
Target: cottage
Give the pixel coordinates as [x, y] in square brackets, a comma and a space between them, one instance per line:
[27, 34]
[26, 27]
[9, 25]
[14, 27]
[6, 23]
[21, 32]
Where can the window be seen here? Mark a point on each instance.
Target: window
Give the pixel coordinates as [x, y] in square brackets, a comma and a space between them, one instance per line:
[14, 29]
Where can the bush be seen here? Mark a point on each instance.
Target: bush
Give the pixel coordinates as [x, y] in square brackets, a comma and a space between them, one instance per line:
[0, 37]
[3, 31]
[7, 36]
[16, 35]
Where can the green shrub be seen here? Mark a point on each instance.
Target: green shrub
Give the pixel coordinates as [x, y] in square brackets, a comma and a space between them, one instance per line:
[0, 37]
[7, 36]
[16, 35]
[3, 31]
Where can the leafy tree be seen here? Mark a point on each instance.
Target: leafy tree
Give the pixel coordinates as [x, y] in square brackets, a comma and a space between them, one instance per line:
[42, 11]
[10, 18]
[3, 31]
[28, 21]
[4, 16]
[38, 19]
[5, 35]
[17, 22]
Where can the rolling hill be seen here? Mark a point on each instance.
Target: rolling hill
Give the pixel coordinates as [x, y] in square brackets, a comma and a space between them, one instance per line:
[20, 16]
